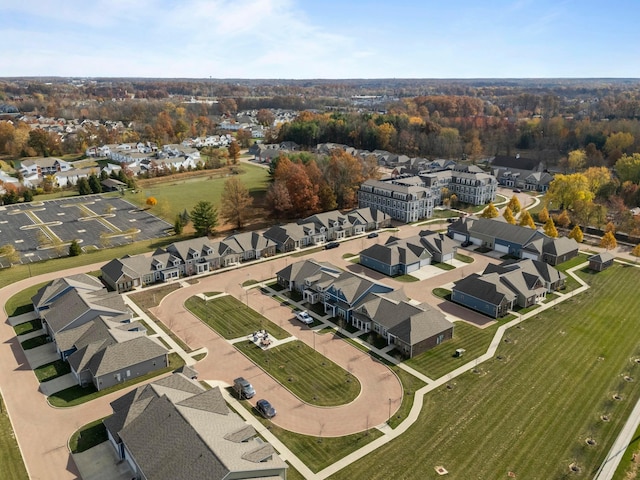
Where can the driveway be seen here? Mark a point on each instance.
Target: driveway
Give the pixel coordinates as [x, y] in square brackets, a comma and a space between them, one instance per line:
[101, 463]
[58, 384]
[41, 355]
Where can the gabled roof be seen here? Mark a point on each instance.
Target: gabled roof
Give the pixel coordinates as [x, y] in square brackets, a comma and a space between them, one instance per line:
[281, 233]
[248, 241]
[74, 304]
[560, 246]
[437, 242]
[306, 269]
[485, 287]
[118, 356]
[174, 429]
[51, 290]
[500, 229]
[603, 257]
[421, 326]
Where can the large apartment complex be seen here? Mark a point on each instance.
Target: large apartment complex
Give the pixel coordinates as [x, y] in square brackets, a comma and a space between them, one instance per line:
[409, 198]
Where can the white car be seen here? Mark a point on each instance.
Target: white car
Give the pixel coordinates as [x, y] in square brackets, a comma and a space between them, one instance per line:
[304, 317]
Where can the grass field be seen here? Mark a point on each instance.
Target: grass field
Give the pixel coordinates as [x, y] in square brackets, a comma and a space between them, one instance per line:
[11, 464]
[52, 370]
[532, 412]
[232, 318]
[440, 360]
[306, 373]
[180, 194]
[318, 452]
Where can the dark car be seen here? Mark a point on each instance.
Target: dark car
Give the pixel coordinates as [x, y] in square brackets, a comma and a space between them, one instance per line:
[517, 190]
[265, 409]
[331, 245]
[372, 235]
[466, 244]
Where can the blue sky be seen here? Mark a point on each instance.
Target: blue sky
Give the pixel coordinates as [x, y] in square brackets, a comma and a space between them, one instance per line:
[320, 38]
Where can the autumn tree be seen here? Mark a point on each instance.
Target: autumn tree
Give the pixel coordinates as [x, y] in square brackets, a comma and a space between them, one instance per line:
[278, 199]
[9, 254]
[526, 220]
[543, 215]
[636, 251]
[344, 174]
[234, 151]
[550, 228]
[608, 241]
[565, 190]
[204, 217]
[597, 177]
[628, 168]
[508, 216]
[574, 161]
[265, 117]
[152, 201]
[514, 205]
[490, 211]
[563, 219]
[236, 202]
[243, 137]
[610, 227]
[576, 234]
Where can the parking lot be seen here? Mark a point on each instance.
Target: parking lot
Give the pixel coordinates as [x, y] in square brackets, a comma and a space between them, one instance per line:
[42, 230]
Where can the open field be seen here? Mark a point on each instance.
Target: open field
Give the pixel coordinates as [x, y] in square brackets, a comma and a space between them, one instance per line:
[178, 194]
[532, 411]
[11, 464]
[439, 361]
[231, 318]
[306, 373]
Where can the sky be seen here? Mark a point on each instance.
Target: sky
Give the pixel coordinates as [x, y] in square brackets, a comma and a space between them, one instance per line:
[297, 39]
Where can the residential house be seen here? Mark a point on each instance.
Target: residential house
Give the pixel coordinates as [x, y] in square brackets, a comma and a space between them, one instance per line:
[413, 329]
[55, 289]
[132, 271]
[501, 287]
[407, 203]
[105, 355]
[43, 166]
[403, 256]
[309, 278]
[601, 261]
[347, 292]
[292, 236]
[520, 242]
[175, 428]
[485, 294]
[251, 245]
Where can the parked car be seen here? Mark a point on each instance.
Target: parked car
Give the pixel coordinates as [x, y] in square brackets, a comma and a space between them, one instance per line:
[372, 235]
[331, 245]
[265, 409]
[516, 190]
[466, 243]
[243, 388]
[304, 317]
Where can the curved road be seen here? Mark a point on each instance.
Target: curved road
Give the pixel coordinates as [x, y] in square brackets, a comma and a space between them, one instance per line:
[379, 386]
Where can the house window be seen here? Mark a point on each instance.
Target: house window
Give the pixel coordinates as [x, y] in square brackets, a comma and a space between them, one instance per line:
[440, 339]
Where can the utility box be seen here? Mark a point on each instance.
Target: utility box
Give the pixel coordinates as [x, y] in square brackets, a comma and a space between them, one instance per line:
[459, 352]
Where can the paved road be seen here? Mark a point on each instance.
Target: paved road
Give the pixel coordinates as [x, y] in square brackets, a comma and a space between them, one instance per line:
[42, 432]
[378, 383]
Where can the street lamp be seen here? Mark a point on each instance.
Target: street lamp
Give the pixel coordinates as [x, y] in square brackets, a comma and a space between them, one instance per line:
[389, 409]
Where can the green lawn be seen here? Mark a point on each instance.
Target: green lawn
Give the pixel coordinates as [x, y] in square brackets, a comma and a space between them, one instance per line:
[630, 464]
[318, 452]
[52, 370]
[439, 361]
[21, 302]
[34, 342]
[409, 386]
[406, 278]
[11, 464]
[28, 327]
[152, 297]
[532, 411]
[89, 436]
[20, 272]
[176, 195]
[77, 395]
[306, 373]
[232, 318]
[463, 258]
[444, 266]
[442, 293]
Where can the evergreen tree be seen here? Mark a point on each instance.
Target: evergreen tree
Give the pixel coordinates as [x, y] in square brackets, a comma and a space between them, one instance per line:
[74, 249]
[204, 217]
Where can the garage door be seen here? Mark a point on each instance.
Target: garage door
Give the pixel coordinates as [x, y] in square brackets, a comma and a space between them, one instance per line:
[501, 248]
[413, 267]
[459, 237]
